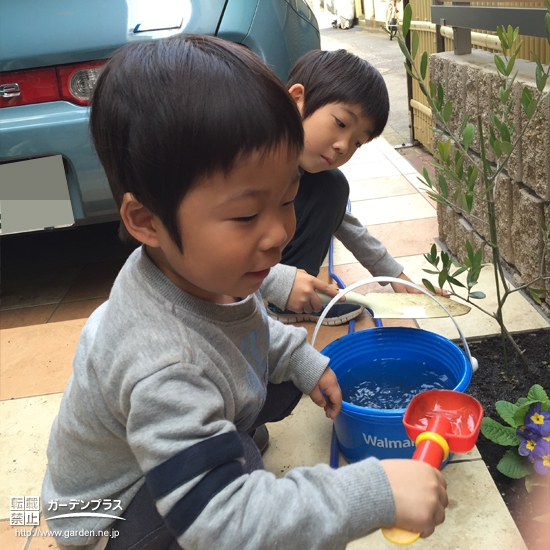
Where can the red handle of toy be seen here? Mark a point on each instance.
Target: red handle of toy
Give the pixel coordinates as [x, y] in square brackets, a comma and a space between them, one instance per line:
[431, 448]
[431, 445]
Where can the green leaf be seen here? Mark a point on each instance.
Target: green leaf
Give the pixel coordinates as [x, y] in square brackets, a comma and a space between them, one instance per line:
[526, 98]
[459, 271]
[501, 67]
[409, 70]
[478, 295]
[464, 122]
[426, 177]
[431, 271]
[422, 86]
[433, 255]
[541, 78]
[503, 39]
[455, 282]
[407, 18]
[437, 198]
[510, 65]
[440, 93]
[478, 256]
[469, 250]
[547, 25]
[522, 401]
[448, 144]
[497, 433]
[443, 186]
[432, 89]
[537, 393]
[519, 416]
[506, 147]
[472, 277]
[535, 295]
[404, 50]
[424, 65]
[495, 146]
[461, 200]
[469, 202]
[511, 36]
[516, 34]
[504, 95]
[514, 465]
[468, 136]
[506, 410]
[472, 176]
[504, 132]
[441, 150]
[531, 108]
[429, 285]
[537, 61]
[447, 111]
[459, 164]
[444, 149]
[414, 44]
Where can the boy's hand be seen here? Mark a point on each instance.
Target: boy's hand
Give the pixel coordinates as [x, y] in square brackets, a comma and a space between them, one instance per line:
[331, 397]
[303, 298]
[420, 495]
[410, 290]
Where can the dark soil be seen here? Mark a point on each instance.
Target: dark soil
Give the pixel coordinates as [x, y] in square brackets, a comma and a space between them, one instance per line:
[489, 385]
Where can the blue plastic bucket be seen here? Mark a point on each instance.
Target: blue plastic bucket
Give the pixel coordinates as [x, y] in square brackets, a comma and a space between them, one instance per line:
[391, 354]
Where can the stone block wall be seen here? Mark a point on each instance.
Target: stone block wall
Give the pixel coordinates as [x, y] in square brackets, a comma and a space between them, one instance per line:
[471, 82]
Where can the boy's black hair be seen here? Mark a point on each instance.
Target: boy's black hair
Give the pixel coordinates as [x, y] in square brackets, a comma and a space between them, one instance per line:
[168, 113]
[341, 77]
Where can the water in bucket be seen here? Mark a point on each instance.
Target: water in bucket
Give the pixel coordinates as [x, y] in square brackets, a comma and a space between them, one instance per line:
[381, 391]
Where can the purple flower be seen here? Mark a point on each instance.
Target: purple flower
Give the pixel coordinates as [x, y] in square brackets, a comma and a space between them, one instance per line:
[538, 421]
[541, 456]
[528, 442]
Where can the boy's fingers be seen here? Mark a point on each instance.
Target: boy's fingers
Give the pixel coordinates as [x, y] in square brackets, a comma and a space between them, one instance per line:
[329, 290]
[317, 397]
[331, 410]
[333, 395]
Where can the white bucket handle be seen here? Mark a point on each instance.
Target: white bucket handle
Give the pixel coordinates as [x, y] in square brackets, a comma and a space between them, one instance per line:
[473, 361]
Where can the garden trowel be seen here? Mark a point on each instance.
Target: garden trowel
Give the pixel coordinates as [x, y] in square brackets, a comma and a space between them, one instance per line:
[386, 305]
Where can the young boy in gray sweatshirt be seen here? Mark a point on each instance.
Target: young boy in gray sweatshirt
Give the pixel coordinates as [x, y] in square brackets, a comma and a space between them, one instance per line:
[173, 374]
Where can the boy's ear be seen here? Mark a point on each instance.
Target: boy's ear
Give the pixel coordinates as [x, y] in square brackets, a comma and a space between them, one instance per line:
[139, 221]
[297, 93]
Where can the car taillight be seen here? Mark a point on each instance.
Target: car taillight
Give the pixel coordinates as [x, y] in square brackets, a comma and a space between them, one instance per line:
[72, 83]
[77, 81]
[24, 87]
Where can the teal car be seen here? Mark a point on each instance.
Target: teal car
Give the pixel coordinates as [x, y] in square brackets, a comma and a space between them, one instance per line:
[51, 53]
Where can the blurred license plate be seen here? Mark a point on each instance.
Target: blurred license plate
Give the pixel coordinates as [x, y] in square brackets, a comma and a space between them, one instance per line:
[34, 195]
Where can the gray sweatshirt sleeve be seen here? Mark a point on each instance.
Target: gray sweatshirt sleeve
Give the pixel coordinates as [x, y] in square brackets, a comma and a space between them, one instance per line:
[278, 284]
[292, 358]
[368, 250]
[212, 503]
